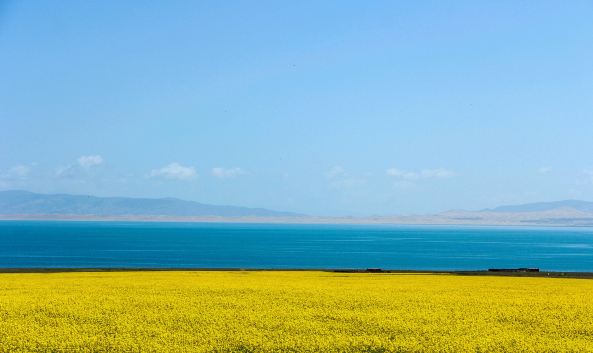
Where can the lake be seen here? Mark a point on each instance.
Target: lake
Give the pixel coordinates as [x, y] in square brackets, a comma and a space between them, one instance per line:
[282, 246]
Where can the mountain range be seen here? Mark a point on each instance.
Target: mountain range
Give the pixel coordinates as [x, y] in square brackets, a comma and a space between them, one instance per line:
[578, 205]
[28, 205]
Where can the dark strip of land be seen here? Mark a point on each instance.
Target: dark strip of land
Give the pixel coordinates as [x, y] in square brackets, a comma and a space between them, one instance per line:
[547, 274]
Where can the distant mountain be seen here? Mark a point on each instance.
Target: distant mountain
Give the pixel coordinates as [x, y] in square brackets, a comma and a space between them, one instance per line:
[583, 206]
[29, 203]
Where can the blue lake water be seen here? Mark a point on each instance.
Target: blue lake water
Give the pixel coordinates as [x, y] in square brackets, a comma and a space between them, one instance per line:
[216, 245]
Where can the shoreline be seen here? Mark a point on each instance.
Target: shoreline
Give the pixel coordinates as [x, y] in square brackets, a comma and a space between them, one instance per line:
[288, 221]
[483, 273]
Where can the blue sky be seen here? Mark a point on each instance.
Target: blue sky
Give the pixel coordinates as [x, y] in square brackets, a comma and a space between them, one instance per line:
[320, 107]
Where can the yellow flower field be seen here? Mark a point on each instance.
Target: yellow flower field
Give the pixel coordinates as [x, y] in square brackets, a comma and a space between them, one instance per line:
[292, 312]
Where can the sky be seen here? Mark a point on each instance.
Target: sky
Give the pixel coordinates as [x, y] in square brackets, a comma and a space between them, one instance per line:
[317, 107]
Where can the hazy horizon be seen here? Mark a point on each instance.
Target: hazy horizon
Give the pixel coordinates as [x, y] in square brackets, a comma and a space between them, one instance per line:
[561, 207]
[332, 108]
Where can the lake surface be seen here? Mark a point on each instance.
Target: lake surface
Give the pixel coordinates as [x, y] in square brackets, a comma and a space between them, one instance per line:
[217, 245]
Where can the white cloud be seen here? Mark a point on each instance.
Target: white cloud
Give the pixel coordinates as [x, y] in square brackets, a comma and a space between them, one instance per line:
[89, 161]
[544, 170]
[19, 171]
[402, 174]
[227, 172]
[339, 178]
[347, 183]
[438, 173]
[83, 167]
[405, 185]
[63, 171]
[14, 174]
[174, 171]
[71, 171]
[335, 172]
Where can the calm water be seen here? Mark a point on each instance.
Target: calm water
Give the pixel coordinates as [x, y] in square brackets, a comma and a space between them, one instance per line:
[123, 244]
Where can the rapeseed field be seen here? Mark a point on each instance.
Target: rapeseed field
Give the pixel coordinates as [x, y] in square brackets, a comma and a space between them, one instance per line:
[292, 312]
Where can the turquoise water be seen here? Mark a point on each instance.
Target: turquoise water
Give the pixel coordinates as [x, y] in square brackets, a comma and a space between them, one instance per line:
[215, 245]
